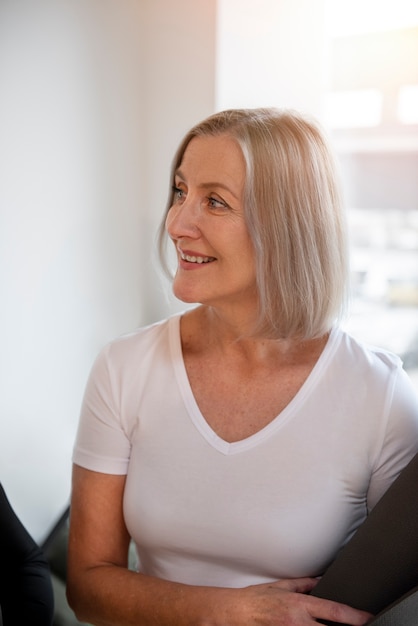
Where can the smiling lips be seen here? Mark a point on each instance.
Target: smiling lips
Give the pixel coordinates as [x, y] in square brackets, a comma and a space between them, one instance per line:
[196, 259]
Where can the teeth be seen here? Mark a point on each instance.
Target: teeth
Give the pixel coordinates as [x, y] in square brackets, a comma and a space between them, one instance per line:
[196, 259]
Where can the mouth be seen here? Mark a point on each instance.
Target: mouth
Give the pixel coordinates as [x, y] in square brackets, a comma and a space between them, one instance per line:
[196, 259]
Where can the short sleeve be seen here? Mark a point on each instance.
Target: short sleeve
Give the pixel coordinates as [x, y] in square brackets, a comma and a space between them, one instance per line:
[102, 444]
[400, 437]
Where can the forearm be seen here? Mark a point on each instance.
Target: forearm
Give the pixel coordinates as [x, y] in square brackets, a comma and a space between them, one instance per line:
[114, 596]
[104, 592]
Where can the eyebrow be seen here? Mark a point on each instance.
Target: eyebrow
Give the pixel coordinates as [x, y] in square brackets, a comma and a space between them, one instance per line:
[209, 184]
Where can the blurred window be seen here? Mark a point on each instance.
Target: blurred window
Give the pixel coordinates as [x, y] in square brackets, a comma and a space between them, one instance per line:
[371, 106]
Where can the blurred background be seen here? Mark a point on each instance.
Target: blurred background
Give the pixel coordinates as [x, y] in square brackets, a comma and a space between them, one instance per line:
[95, 96]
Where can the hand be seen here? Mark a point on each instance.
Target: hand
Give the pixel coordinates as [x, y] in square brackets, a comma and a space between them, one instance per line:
[285, 603]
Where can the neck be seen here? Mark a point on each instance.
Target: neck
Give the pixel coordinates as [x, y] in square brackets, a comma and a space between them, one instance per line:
[206, 328]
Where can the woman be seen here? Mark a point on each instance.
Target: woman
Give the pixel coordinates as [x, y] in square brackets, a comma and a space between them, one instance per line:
[242, 443]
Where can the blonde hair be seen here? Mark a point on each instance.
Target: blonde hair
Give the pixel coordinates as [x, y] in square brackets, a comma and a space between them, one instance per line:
[294, 215]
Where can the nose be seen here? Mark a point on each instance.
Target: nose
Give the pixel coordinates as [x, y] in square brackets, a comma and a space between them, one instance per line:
[183, 220]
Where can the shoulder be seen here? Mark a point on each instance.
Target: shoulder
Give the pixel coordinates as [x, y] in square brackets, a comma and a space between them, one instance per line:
[375, 376]
[369, 373]
[365, 356]
[141, 343]
[125, 359]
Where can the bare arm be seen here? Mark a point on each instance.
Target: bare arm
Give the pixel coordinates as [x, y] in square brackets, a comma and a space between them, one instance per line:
[103, 592]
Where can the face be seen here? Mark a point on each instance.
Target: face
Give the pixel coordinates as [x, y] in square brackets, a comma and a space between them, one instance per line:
[206, 224]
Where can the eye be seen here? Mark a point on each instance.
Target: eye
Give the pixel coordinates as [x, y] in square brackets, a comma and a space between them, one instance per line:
[178, 194]
[215, 203]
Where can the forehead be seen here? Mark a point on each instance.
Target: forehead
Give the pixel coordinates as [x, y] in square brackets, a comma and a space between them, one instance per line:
[215, 158]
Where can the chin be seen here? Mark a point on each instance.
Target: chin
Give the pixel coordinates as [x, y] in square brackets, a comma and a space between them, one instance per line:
[188, 298]
[186, 293]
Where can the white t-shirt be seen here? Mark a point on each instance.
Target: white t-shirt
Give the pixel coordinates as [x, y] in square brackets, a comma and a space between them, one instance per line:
[278, 504]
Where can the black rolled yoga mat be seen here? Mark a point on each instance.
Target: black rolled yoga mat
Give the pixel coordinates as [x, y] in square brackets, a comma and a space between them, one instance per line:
[379, 564]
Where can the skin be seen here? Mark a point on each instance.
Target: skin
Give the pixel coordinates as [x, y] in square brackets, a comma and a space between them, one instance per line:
[206, 222]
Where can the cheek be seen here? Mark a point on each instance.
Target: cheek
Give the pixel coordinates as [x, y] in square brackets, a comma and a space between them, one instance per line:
[245, 256]
[247, 248]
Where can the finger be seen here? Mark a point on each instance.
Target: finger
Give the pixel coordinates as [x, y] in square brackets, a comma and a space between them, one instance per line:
[340, 613]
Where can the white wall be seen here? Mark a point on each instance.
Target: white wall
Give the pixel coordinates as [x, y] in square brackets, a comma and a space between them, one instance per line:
[271, 53]
[95, 95]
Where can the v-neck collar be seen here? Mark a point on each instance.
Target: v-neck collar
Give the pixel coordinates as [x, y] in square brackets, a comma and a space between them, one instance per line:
[199, 421]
